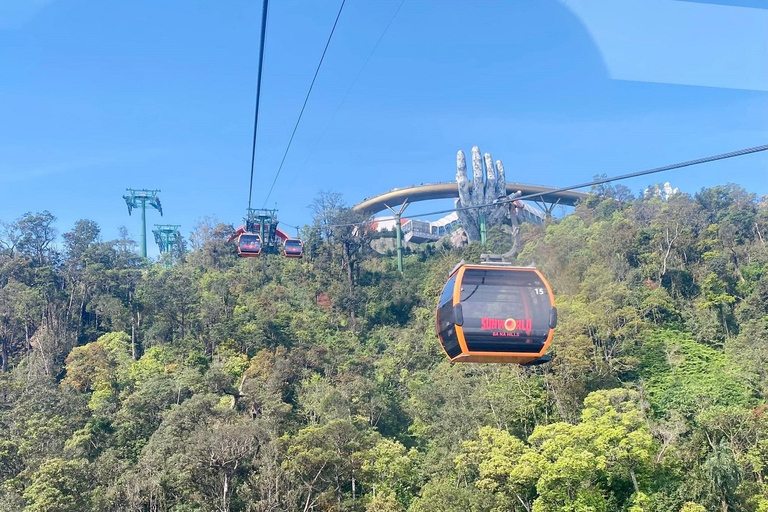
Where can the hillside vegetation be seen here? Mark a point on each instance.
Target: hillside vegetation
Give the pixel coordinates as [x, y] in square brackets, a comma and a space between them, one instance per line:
[211, 383]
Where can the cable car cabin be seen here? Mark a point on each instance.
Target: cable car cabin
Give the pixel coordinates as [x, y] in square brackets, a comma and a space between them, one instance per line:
[293, 248]
[496, 314]
[248, 245]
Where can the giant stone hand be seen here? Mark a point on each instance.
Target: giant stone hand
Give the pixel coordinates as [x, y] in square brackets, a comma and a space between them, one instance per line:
[488, 184]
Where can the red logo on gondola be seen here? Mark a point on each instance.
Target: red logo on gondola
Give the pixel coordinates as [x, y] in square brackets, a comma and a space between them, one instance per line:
[510, 324]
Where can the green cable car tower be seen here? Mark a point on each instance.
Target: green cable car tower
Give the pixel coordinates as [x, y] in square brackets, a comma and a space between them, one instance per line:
[140, 199]
[264, 222]
[167, 236]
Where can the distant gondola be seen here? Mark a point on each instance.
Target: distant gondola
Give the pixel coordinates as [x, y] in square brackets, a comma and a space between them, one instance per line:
[496, 314]
[293, 248]
[248, 245]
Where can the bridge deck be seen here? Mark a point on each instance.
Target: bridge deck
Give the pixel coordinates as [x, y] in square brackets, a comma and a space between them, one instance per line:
[448, 190]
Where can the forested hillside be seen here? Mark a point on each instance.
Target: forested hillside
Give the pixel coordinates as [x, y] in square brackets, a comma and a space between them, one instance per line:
[212, 383]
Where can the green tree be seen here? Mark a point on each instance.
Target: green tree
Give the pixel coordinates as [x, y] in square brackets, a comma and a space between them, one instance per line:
[59, 485]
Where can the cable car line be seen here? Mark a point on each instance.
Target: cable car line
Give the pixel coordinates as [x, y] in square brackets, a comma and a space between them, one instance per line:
[306, 99]
[297, 228]
[258, 93]
[689, 163]
[354, 81]
[249, 243]
[680, 165]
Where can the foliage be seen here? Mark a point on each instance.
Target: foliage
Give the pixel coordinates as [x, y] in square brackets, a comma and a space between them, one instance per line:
[226, 384]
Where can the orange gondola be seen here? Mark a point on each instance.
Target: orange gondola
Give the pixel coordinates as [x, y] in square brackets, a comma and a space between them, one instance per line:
[293, 248]
[496, 314]
[248, 245]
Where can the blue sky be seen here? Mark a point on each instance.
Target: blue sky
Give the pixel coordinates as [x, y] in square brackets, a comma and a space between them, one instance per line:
[96, 97]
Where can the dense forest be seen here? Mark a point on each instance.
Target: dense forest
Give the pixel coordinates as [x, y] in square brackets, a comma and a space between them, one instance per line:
[204, 382]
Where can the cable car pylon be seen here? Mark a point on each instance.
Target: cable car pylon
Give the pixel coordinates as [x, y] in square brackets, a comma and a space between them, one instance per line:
[260, 234]
[168, 236]
[399, 230]
[140, 199]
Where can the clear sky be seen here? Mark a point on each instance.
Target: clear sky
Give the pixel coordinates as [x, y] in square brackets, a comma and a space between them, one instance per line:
[96, 97]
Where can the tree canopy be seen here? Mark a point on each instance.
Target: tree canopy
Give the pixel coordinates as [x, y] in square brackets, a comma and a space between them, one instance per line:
[212, 383]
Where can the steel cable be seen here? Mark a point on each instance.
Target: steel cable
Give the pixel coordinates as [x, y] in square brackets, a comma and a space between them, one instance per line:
[258, 94]
[646, 172]
[306, 99]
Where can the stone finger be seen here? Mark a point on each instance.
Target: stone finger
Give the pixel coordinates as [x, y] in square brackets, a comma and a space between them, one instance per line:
[490, 179]
[477, 170]
[501, 180]
[461, 178]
